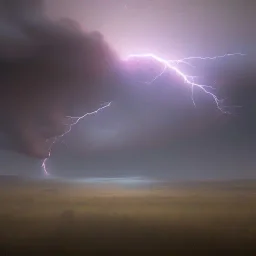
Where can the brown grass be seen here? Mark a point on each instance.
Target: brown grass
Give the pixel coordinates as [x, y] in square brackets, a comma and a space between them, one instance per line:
[62, 219]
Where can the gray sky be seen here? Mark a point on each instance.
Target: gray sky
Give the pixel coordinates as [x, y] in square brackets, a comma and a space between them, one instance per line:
[173, 28]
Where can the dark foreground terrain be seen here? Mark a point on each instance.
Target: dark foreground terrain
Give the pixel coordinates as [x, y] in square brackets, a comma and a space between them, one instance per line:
[58, 218]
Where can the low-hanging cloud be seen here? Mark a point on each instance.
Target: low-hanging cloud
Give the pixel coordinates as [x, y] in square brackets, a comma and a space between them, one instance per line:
[49, 70]
[53, 69]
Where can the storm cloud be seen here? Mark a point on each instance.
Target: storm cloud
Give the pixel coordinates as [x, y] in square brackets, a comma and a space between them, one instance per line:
[49, 70]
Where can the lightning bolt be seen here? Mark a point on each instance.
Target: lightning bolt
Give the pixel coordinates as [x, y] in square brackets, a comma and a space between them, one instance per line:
[167, 65]
[77, 119]
[211, 58]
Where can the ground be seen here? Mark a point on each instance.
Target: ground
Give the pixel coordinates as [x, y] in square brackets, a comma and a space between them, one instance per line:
[60, 218]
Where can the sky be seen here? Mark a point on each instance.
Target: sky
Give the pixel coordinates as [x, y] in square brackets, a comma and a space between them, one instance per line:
[171, 28]
[156, 130]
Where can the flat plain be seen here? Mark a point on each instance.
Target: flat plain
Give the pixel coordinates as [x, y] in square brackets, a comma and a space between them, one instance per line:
[68, 218]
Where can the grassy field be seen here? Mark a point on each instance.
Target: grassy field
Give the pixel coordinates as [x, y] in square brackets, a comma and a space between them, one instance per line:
[54, 218]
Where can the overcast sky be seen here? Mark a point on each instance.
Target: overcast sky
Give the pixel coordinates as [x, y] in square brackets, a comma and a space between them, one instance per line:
[173, 28]
[154, 134]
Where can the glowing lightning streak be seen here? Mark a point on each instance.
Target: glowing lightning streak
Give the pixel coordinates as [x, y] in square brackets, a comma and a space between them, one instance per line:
[70, 127]
[187, 79]
[209, 58]
[167, 64]
[159, 75]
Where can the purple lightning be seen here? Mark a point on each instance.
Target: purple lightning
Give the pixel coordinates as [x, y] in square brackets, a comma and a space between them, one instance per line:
[77, 119]
[211, 58]
[167, 65]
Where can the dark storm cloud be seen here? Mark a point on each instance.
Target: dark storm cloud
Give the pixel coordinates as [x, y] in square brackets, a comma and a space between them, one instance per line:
[49, 70]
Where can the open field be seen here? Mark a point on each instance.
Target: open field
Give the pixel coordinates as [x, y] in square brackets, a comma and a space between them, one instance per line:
[58, 218]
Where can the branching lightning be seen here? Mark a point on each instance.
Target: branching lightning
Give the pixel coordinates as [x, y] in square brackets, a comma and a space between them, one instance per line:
[167, 65]
[211, 58]
[77, 119]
